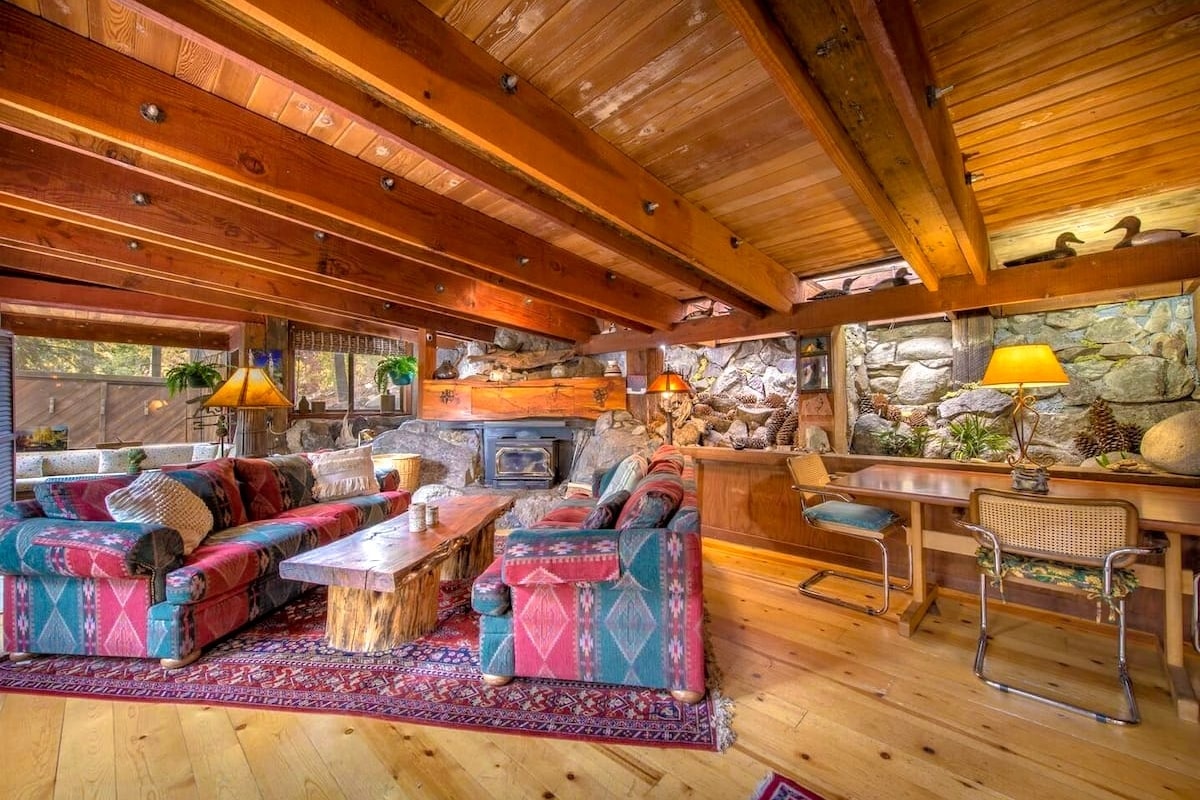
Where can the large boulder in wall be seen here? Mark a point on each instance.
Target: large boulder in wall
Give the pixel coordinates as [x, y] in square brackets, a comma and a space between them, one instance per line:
[1174, 444]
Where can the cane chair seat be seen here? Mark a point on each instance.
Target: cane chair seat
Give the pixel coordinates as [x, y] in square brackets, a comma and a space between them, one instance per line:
[1079, 545]
[826, 509]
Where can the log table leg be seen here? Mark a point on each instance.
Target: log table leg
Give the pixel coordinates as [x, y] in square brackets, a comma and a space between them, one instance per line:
[366, 621]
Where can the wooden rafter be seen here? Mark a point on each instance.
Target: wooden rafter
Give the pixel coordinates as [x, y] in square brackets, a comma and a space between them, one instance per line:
[50, 72]
[1110, 270]
[33, 231]
[96, 192]
[408, 56]
[95, 271]
[72, 295]
[261, 53]
[857, 74]
[108, 331]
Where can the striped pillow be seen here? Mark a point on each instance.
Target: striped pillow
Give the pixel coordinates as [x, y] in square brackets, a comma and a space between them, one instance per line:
[626, 476]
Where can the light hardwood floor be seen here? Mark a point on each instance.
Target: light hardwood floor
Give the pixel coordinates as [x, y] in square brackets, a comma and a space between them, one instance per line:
[836, 699]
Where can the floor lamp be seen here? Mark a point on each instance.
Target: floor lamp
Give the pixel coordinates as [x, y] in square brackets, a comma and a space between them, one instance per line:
[1019, 367]
[668, 384]
[248, 389]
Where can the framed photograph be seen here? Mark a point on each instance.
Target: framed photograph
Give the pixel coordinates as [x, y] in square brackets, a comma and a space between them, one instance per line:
[812, 345]
[47, 437]
[272, 362]
[813, 373]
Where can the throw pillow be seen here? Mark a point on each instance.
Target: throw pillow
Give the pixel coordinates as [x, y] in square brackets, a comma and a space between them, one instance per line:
[79, 498]
[29, 466]
[155, 499]
[204, 451]
[626, 477]
[605, 514]
[343, 473]
[652, 503]
[112, 461]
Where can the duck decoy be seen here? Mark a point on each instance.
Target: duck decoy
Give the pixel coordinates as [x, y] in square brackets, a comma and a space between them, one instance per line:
[898, 279]
[825, 294]
[1136, 237]
[1061, 250]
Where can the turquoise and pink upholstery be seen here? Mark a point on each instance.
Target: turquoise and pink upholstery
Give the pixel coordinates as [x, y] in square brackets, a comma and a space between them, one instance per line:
[610, 605]
[77, 582]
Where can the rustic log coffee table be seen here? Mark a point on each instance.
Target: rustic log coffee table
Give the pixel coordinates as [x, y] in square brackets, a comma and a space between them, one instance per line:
[383, 580]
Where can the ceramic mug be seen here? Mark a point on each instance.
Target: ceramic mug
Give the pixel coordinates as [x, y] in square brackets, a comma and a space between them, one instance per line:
[416, 517]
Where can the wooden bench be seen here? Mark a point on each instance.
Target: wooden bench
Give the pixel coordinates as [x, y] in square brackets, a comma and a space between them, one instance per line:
[383, 580]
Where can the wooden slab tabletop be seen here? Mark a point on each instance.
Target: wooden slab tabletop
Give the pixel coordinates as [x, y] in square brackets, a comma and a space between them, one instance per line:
[379, 557]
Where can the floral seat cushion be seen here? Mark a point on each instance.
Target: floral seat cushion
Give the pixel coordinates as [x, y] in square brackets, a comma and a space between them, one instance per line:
[1089, 580]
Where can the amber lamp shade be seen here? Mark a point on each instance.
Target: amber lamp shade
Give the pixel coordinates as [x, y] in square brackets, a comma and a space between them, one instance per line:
[669, 384]
[248, 387]
[1017, 367]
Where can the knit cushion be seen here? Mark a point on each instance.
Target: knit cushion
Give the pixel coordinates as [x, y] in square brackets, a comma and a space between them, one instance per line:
[628, 473]
[854, 515]
[605, 514]
[154, 498]
[343, 473]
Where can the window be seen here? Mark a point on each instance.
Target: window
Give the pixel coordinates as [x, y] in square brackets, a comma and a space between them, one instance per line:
[338, 369]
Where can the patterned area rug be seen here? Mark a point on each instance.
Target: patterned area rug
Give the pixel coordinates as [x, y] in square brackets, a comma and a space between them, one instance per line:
[282, 663]
[779, 787]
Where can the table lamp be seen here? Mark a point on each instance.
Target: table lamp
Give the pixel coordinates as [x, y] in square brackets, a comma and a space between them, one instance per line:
[1019, 367]
[668, 384]
[248, 388]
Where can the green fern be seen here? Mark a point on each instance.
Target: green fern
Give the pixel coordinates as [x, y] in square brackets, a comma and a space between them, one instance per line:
[974, 437]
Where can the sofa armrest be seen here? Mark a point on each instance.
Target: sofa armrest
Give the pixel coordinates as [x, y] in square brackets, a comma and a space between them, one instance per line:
[82, 549]
[539, 556]
[490, 595]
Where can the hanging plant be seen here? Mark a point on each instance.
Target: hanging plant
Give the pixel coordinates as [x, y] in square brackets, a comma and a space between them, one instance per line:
[398, 369]
[193, 374]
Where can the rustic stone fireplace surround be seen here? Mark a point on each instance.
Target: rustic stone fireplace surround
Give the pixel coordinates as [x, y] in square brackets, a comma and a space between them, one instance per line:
[528, 453]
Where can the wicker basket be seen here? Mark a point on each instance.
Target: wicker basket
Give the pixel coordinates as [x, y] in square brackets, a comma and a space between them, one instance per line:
[409, 467]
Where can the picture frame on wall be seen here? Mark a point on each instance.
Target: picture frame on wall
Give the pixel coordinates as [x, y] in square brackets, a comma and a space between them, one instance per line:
[813, 373]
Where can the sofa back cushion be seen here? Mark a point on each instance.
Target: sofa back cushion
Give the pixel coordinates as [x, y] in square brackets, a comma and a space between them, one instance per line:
[605, 514]
[653, 501]
[71, 462]
[273, 484]
[79, 498]
[666, 458]
[29, 465]
[214, 483]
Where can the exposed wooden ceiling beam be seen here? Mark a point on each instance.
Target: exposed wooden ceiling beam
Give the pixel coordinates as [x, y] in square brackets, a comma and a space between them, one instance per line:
[1110, 270]
[857, 73]
[50, 72]
[28, 230]
[52, 294]
[67, 266]
[98, 191]
[105, 331]
[261, 53]
[409, 56]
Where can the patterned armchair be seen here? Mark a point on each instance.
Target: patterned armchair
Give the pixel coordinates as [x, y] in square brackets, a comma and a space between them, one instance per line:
[621, 605]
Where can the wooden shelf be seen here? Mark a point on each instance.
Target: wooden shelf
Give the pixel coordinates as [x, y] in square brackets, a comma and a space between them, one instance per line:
[587, 398]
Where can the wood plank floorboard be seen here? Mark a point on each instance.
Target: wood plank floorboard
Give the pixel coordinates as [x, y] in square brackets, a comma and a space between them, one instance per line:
[836, 699]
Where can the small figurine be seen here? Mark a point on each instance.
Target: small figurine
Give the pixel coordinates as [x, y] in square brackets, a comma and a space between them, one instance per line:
[1061, 250]
[898, 279]
[1136, 237]
[825, 294]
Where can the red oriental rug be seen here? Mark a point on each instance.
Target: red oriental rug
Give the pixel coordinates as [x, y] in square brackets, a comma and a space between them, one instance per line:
[781, 787]
[283, 663]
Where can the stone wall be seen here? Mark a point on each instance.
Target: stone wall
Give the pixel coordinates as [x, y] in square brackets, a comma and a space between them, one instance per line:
[1138, 356]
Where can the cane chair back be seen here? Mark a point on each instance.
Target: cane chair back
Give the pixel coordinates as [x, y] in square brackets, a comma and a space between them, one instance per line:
[808, 470]
[1073, 530]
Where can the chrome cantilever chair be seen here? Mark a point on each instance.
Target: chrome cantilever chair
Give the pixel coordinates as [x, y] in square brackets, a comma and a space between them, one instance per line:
[836, 512]
[1069, 544]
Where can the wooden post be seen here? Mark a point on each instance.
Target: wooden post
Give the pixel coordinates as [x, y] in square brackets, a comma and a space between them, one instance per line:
[426, 351]
[648, 365]
[839, 391]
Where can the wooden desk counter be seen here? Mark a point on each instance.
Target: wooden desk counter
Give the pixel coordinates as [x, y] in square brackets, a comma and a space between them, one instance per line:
[1171, 510]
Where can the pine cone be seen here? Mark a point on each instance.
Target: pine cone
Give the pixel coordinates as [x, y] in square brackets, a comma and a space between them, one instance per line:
[748, 398]
[756, 443]
[1086, 445]
[865, 406]
[1131, 435]
[774, 421]
[787, 431]
[918, 417]
[879, 402]
[894, 415]
[702, 410]
[775, 400]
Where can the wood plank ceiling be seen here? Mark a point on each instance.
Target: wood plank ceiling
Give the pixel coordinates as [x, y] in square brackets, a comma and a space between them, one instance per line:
[567, 166]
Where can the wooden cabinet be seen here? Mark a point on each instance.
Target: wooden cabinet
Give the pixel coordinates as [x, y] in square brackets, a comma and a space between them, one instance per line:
[555, 397]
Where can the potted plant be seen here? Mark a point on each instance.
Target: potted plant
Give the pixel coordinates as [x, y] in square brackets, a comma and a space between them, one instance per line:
[399, 369]
[195, 374]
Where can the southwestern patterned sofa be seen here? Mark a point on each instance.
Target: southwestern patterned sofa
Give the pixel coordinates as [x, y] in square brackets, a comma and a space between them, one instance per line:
[77, 582]
[603, 589]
